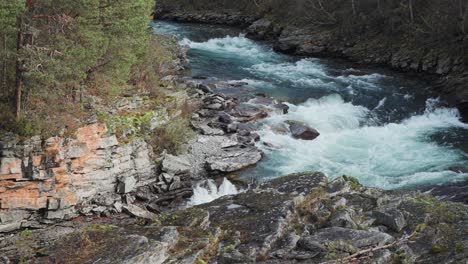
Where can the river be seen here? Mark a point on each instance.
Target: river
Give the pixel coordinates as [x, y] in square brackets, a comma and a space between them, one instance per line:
[385, 128]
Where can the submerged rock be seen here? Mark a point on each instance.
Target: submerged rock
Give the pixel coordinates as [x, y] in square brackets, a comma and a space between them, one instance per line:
[301, 130]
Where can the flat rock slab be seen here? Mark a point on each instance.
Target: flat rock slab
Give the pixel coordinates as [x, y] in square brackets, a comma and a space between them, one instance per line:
[298, 183]
[175, 165]
[234, 160]
[353, 237]
[103, 243]
[259, 218]
[221, 154]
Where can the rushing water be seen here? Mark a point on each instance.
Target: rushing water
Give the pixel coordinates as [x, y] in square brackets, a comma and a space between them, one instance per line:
[384, 128]
[207, 191]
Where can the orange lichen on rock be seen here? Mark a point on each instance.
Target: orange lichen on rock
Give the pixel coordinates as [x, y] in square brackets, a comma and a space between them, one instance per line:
[10, 169]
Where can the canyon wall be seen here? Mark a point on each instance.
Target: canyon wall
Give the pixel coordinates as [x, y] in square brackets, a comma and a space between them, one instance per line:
[52, 179]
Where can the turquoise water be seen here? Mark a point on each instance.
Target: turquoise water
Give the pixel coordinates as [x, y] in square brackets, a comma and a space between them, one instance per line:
[384, 128]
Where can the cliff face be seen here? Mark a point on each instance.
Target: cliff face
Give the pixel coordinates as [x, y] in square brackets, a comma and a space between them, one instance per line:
[373, 35]
[46, 180]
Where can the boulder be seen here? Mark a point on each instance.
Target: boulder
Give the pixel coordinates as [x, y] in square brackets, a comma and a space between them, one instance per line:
[280, 129]
[284, 108]
[260, 29]
[302, 131]
[248, 112]
[224, 118]
[392, 218]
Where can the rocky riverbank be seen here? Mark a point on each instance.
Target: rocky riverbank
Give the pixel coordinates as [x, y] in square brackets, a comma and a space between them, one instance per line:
[448, 70]
[300, 218]
[99, 173]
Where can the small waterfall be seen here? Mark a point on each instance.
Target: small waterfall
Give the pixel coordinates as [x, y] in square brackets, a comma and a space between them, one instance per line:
[207, 191]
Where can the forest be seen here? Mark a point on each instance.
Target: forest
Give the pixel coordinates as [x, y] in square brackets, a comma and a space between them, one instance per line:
[55, 52]
[417, 24]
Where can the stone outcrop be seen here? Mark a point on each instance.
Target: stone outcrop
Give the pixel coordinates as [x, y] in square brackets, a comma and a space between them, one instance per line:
[51, 177]
[291, 219]
[228, 138]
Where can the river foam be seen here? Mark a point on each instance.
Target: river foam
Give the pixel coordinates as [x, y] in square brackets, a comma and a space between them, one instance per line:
[376, 125]
[233, 46]
[389, 156]
[207, 191]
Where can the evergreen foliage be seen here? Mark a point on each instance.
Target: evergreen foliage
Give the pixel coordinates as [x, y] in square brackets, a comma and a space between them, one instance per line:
[70, 49]
[9, 11]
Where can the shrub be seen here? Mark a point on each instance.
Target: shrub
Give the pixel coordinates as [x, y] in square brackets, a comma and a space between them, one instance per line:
[172, 136]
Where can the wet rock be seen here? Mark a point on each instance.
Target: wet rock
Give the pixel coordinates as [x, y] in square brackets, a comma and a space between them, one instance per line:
[270, 145]
[266, 102]
[392, 218]
[225, 118]
[260, 29]
[284, 108]
[248, 112]
[280, 129]
[301, 130]
[458, 169]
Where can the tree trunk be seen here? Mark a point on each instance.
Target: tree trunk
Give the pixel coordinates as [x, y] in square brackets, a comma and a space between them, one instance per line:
[19, 70]
[410, 4]
[5, 90]
[463, 16]
[353, 5]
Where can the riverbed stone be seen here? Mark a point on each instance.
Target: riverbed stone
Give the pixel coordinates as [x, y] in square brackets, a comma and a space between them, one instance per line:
[302, 131]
